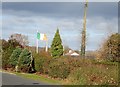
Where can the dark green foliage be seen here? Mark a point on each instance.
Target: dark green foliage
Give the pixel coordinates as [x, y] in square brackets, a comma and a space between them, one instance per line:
[5, 58]
[39, 63]
[4, 44]
[56, 47]
[59, 69]
[14, 57]
[13, 43]
[24, 61]
[7, 49]
[42, 61]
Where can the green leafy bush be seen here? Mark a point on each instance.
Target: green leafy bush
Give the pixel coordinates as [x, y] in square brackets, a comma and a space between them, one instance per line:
[42, 61]
[58, 69]
[25, 61]
[14, 57]
[39, 61]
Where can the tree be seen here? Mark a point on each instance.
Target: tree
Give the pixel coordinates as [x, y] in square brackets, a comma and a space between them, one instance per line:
[22, 39]
[14, 57]
[56, 47]
[7, 49]
[25, 61]
[13, 43]
[4, 44]
[111, 48]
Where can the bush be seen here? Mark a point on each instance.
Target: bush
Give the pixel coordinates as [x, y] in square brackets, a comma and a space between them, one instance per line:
[58, 69]
[14, 57]
[42, 61]
[25, 61]
[25, 68]
[94, 75]
[74, 63]
[39, 63]
[6, 56]
[63, 66]
[77, 77]
[111, 48]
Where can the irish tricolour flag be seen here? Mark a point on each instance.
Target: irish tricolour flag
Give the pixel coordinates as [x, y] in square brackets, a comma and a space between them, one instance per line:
[41, 36]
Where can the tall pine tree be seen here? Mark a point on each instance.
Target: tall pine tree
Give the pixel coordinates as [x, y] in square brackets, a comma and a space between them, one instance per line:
[56, 47]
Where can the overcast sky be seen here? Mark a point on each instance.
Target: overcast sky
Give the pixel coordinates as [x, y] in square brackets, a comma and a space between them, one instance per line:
[28, 17]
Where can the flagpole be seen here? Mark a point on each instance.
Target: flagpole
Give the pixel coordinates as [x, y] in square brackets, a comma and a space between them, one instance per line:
[46, 46]
[37, 44]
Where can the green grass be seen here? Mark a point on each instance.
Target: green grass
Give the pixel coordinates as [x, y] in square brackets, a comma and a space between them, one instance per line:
[43, 79]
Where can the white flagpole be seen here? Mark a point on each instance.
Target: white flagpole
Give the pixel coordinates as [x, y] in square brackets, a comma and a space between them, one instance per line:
[46, 46]
[37, 44]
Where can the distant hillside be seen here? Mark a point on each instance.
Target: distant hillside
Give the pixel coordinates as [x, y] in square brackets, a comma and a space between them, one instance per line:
[90, 54]
[33, 48]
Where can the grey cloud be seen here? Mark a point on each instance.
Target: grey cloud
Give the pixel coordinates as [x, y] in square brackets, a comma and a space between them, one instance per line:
[64, 9]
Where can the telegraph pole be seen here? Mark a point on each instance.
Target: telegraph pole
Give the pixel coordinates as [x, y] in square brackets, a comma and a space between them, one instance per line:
[83, 42]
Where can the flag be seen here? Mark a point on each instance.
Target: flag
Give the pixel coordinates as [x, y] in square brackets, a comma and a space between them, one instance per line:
[41, 36]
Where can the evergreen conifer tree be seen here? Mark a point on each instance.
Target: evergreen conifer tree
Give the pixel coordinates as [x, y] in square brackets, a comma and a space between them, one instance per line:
[14, 57]
[56, 47]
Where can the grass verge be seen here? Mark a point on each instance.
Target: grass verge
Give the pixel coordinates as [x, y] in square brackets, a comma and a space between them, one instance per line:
[40, 78]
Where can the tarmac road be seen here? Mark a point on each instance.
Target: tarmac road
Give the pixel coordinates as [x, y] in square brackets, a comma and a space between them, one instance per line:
[12, 79]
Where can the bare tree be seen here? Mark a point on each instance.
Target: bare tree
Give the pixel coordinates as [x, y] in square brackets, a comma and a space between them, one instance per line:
[22, 39]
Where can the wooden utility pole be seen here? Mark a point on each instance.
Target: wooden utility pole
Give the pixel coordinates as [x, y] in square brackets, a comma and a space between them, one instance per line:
[83, 42]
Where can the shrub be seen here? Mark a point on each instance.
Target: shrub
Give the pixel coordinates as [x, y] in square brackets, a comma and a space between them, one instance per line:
[24, 62]
[39, 63]
[14, 57]
[46, 66]
[77, 77]
[77, 62]
[42, 61]
[93, 75]
[58, 69]
[63, 66]
[111, 48]
[6, 56]
[24, 68]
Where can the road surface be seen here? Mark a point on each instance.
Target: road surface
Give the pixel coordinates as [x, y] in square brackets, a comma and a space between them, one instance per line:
[12, 79]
